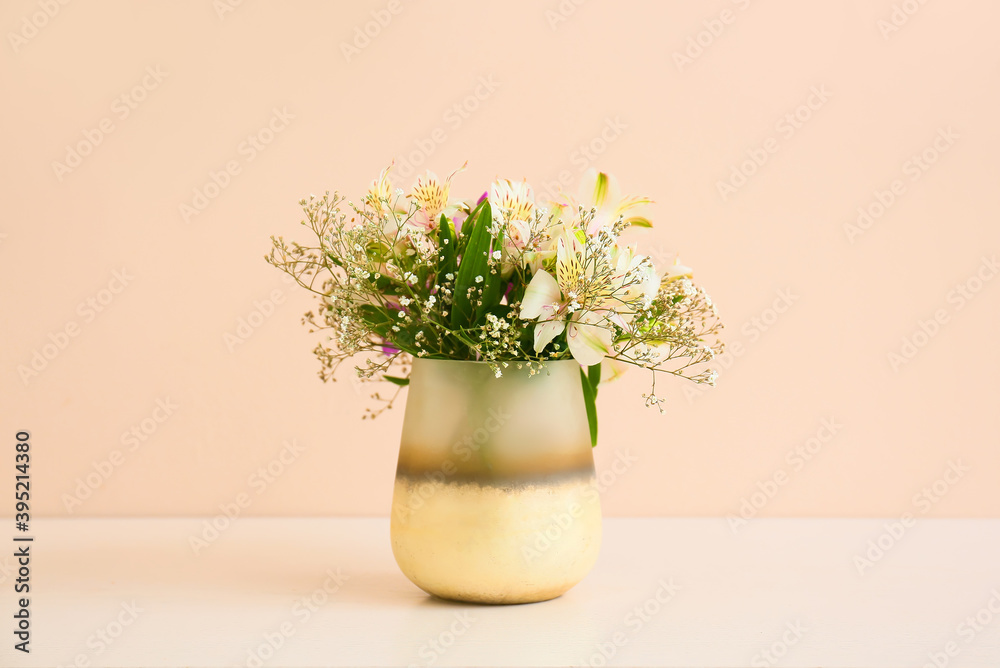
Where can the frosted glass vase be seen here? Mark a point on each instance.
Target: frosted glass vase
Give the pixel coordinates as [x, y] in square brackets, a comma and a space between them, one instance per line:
[495, 499]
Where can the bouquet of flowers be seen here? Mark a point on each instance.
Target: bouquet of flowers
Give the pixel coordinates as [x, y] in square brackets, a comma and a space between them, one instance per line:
[503, 279]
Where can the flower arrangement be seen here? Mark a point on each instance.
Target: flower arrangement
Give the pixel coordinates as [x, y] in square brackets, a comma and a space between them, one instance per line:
[502, 279]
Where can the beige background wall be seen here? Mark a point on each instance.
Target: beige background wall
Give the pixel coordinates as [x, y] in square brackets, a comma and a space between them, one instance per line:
[542, 90]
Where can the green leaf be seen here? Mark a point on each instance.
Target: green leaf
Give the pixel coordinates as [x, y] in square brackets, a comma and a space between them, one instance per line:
[468, 227]
[594, 376]
[377, 319]
[462, 310]
[477, 246]
[396, 380]
[590, 401]
[639, 221]
[447, 249]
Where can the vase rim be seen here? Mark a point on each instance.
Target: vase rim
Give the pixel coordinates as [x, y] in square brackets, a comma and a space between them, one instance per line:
[485, 363]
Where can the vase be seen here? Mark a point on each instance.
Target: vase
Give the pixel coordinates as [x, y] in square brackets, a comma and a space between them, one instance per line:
[495, 498]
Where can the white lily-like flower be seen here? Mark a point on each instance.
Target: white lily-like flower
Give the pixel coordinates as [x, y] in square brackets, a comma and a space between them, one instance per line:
[589, 338]
[559, 275]
[516, 238]
[593, 293]
[587, 333]
[676, 271]
[519, 233]
[612, 369]
[380, 194]
[600, 191]
[635, 279]
[511, 200]
[543, 301]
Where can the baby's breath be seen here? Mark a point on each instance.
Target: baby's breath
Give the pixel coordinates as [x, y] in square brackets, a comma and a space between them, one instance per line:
[389, 285]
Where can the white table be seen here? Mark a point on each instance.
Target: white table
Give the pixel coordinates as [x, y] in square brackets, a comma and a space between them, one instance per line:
[789, 587]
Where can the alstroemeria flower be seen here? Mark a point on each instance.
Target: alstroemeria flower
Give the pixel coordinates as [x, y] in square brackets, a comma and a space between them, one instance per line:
[521, 246]
[600, 191]
[517, 235]
[675, 271]
[533, 280]
[587, 333]
[431, 195]
[543, 301]
[589, 297]
[511, 201]
[559, 305]
[589, 338]
[634, 280]
[380, 192]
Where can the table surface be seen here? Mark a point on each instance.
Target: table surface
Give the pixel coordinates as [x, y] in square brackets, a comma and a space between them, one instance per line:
[665, 592]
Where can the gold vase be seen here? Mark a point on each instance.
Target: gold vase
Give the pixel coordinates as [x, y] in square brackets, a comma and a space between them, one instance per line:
[495, 499]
